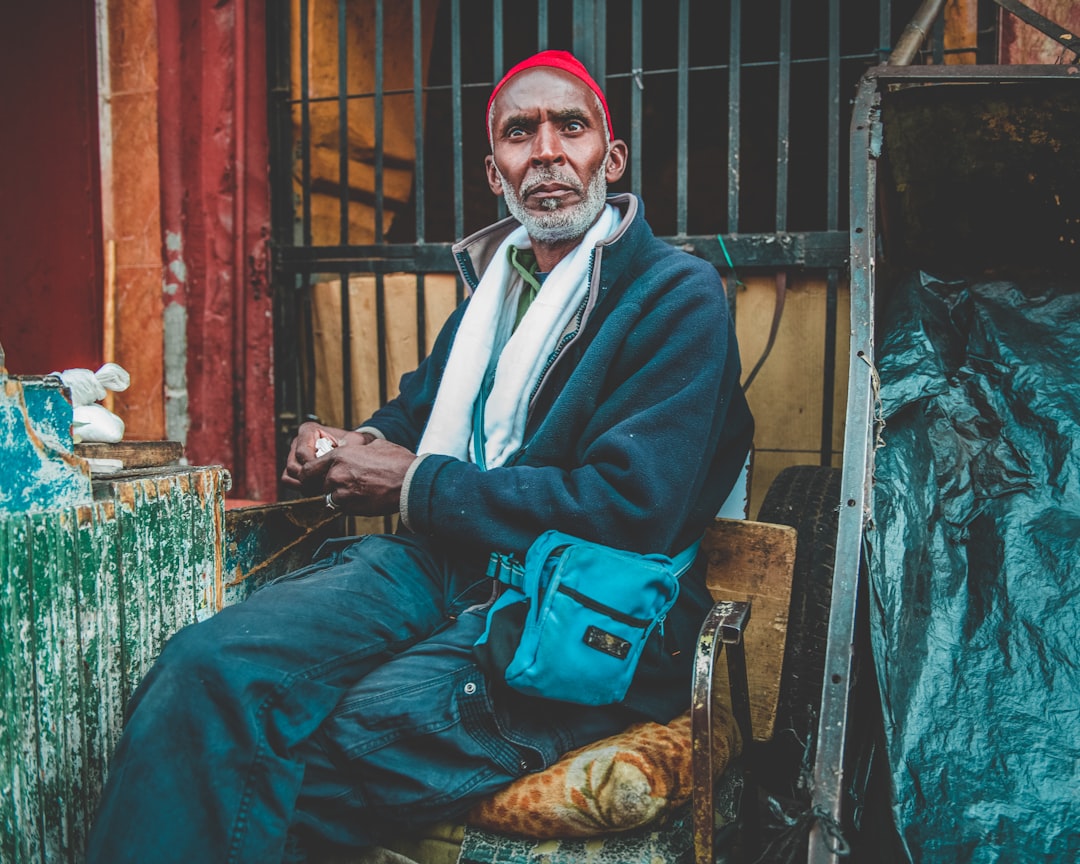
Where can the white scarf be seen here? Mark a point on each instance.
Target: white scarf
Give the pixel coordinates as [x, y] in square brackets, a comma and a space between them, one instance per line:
[485, 327]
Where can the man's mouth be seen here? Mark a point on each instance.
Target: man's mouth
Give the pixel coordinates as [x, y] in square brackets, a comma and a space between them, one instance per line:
[550, 193]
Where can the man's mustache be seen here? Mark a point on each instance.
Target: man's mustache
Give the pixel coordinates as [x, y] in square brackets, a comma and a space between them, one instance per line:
[530, 184]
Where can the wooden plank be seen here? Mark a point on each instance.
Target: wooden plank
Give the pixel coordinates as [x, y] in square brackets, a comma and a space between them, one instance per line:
[786, 395]
[754, 561]
[400, 337]
[134, 454]
[961, 31]
[440, 300]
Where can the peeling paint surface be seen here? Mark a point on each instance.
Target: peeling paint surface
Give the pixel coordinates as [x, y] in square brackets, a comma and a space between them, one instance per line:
[38, 469]
[90, 595]
[175, 266]
[177, 417]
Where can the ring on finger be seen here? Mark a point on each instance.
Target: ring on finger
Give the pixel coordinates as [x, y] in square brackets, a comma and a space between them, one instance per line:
[331, 504]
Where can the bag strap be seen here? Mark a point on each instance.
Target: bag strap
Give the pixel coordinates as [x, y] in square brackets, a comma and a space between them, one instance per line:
[508, 570]
[685, 559]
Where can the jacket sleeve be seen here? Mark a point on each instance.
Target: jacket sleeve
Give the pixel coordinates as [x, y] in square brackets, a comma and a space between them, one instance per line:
[637, 431]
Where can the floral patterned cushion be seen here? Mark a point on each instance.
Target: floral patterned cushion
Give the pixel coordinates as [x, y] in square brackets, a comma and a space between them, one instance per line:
[629, 780]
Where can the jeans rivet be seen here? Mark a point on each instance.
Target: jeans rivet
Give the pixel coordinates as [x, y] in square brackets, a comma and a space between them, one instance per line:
[470, 688]
[523, 765]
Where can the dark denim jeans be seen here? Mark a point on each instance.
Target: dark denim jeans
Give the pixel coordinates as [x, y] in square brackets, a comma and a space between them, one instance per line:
[335, 705]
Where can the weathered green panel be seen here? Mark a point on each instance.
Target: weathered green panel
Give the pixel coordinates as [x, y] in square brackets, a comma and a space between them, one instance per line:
[106, 674]
[89, 596]
[183, 600]
[132, 594]
[65, 617]
[93, 563]
[209, 499]
[9, 714]
[26, 794]
[170, 558]
[68, 606]
[51, 687]
[156, 538]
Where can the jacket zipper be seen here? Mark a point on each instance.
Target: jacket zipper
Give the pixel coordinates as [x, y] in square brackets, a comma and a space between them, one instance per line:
[569, 338]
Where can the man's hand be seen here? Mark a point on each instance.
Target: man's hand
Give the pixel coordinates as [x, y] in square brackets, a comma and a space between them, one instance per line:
[306, 447]
[365, 480]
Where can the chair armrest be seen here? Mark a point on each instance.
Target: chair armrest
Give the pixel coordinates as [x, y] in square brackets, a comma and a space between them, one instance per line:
[724, 626]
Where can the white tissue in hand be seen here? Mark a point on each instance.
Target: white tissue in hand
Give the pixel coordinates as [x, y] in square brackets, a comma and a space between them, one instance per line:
[97, 424]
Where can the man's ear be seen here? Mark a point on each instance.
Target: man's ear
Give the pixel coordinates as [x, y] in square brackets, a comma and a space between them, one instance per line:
[616, 160]
[493, 178]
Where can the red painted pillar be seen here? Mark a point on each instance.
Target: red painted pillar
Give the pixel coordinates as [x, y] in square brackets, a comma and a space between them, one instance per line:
[214, 156]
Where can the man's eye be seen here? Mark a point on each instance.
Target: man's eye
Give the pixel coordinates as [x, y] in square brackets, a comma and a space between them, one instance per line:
[515, 132]
[574, 126]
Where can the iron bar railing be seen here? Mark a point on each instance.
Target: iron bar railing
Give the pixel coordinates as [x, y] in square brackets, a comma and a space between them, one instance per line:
[649, 77]
[734, 118]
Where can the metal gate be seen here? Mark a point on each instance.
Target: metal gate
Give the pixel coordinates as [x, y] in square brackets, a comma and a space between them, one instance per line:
[735, 114]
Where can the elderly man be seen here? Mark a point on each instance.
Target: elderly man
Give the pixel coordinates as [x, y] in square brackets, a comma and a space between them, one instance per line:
[590, 384]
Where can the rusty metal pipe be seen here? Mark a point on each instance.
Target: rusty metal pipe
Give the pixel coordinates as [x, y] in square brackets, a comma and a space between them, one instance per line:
[911, 40]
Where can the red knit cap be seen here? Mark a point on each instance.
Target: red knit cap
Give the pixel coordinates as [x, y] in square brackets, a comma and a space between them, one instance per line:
[556, 60]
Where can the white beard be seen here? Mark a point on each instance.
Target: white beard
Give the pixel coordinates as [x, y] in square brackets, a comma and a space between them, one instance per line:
[561, 222]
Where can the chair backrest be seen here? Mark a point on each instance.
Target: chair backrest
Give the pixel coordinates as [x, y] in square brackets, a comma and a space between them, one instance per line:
[754, 561]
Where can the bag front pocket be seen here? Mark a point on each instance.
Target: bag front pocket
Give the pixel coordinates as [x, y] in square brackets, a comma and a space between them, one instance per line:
[583, 642]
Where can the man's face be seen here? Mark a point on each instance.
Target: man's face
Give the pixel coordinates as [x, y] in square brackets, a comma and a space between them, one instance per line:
[551, 158]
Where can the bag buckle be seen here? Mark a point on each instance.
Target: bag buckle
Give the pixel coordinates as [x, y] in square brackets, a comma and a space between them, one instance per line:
[506, 569]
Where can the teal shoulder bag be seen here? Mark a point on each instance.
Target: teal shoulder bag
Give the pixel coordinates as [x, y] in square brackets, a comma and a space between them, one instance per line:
[571, 623]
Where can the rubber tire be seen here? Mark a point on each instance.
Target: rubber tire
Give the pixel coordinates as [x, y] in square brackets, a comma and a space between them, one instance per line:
[806, 497]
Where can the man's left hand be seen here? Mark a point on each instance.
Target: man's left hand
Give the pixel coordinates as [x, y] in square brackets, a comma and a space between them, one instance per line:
[362, 480]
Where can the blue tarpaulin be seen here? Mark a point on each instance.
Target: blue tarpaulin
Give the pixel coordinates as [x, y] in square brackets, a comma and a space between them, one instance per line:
[974, 567]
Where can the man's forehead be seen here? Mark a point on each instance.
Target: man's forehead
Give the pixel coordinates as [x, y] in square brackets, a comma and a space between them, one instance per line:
[545, 88]
[554, 60]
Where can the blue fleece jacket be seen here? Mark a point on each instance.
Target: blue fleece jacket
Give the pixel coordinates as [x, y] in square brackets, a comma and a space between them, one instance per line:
[635, 434]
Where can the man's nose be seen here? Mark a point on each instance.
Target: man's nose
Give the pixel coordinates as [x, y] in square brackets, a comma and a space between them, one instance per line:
[547, 146]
